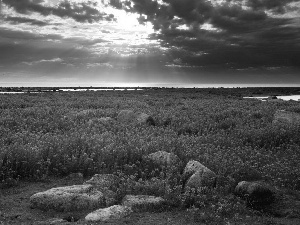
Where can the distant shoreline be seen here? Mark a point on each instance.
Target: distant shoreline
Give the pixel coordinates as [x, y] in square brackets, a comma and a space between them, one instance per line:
[252, 92]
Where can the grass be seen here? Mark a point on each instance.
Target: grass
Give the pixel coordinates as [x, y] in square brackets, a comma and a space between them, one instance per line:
[49, 134]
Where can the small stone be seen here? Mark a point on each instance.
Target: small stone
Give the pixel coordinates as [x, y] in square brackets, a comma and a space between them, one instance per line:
[142, 203]
[110, 213]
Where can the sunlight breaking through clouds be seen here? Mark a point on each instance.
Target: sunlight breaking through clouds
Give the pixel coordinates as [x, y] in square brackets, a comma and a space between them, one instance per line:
[149, 37]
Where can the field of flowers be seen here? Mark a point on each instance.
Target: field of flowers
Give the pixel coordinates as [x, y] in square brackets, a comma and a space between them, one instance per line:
[49, 134]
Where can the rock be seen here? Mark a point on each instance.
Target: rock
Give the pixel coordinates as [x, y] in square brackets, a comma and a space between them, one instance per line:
[52, 221]
[163, 158]
[286, 117]
[246, 173]
[70, 198]
[143, 118]
[107, 183]
[110, 213]
[191, 167]
[104, 181]
[142, 203]
[202, 178]
[130, 117]
[197, 175]
[257, 194]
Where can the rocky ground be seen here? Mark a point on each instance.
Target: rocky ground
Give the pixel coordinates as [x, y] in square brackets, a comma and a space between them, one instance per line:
[98, 200]
[15, 208]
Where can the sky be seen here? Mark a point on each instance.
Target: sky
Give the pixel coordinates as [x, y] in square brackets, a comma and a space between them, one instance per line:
[98, 42]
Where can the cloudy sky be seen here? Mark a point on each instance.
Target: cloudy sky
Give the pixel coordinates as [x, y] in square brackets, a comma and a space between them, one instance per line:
[94, 42]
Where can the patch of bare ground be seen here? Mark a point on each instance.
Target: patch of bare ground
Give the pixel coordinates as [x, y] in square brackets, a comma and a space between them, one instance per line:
[15, 209]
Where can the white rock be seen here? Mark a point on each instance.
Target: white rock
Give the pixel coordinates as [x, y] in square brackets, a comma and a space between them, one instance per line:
[70, 198]
[140, 203]
[110, 213]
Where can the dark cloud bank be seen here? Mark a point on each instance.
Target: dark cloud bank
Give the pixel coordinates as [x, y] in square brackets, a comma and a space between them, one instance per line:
[245, 36]
[81, 12]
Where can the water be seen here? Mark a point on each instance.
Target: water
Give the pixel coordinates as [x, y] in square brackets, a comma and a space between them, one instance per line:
[137, 84]
[282, 97]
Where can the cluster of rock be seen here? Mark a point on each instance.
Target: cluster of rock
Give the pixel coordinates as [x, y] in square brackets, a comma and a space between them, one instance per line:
[94, 194]
[98, 193]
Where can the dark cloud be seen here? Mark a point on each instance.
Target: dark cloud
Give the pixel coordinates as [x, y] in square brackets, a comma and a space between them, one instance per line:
[16, 20]
[81, 12]
[22, 46]
[242, 34]
[278, 6]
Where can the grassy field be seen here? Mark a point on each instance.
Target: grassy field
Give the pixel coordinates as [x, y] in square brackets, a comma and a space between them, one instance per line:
[49, 135]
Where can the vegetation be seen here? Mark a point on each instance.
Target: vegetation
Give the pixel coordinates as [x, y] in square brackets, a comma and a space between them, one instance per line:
[49, 134]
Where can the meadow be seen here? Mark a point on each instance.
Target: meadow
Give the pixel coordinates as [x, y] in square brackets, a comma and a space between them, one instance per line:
[49, 135]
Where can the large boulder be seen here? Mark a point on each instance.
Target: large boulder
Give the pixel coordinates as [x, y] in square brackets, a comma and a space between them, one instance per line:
[110, 213]
[257, 194]
[286, 117]
[130, 117]
[198, 176]
[70, 198]
[163, 158]
[143, 203]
